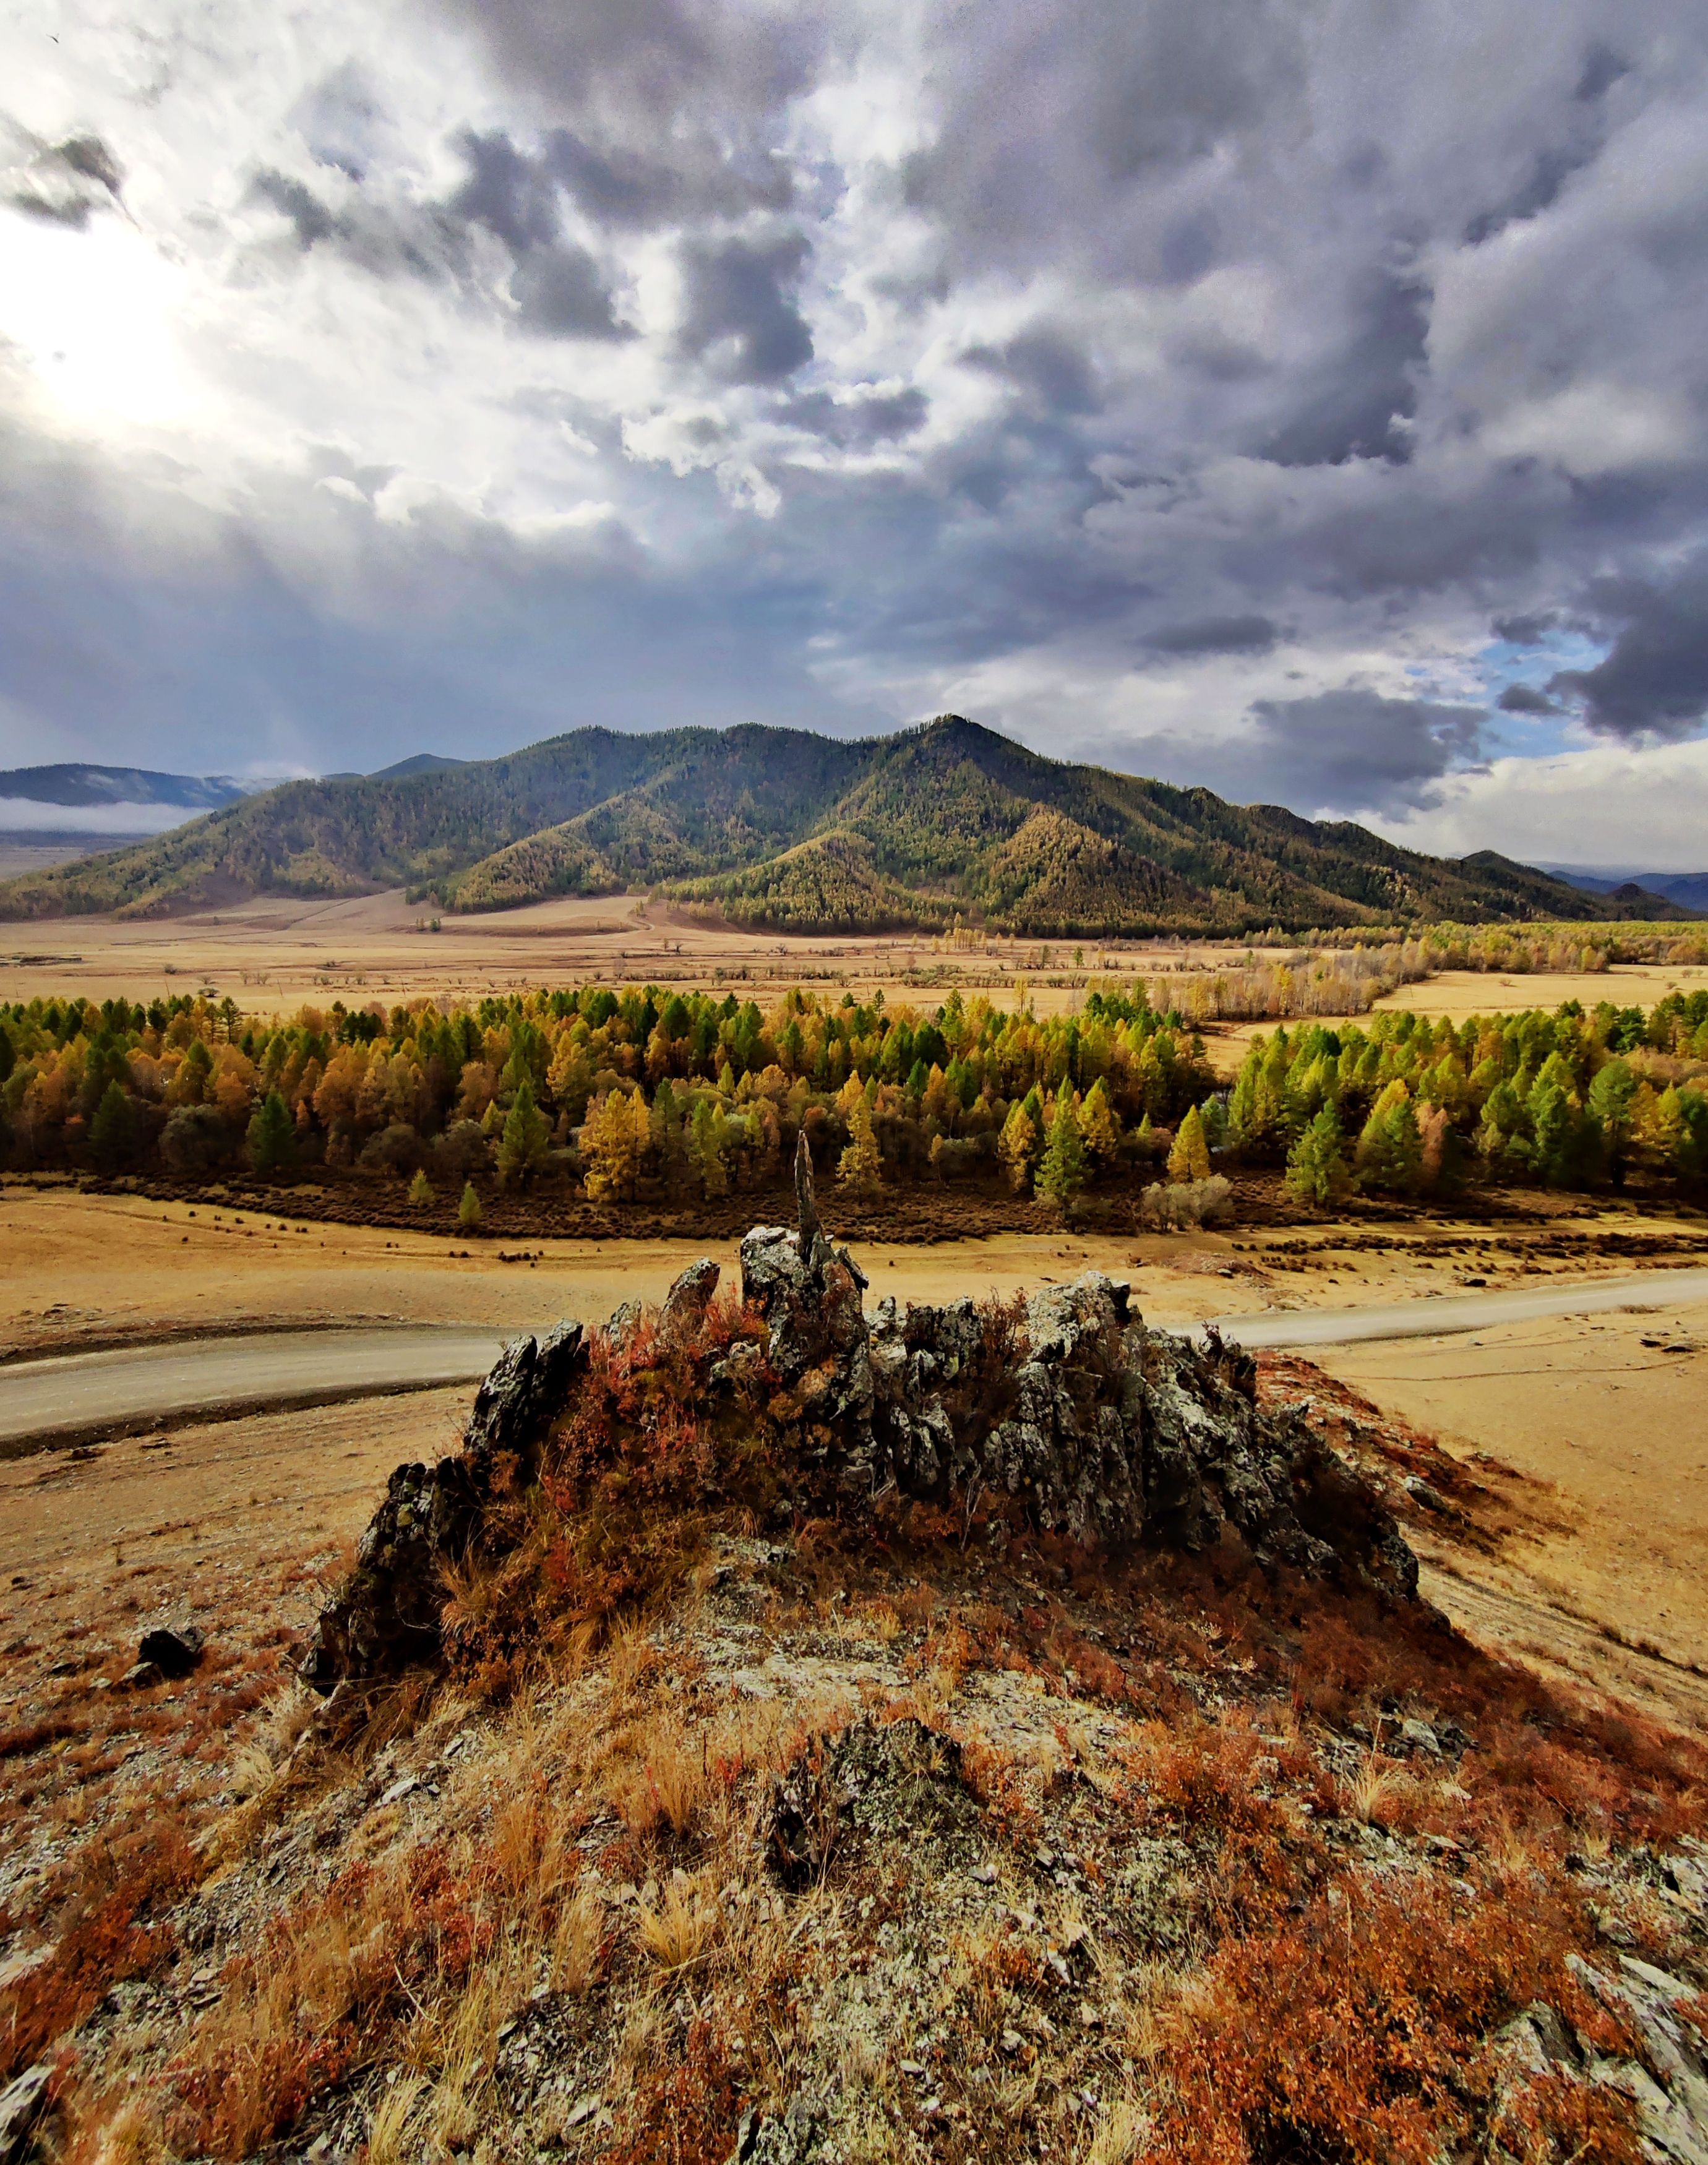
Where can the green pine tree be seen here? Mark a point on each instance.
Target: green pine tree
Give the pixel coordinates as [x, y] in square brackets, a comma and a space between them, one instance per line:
[420, 1191]
[1062, 1175]
[523, 1146]
[112, 1132]
[1610, 1097]
[468, 1211]
[271, 1140]
[1553, 1120]
[1390, 1149]
[708, 1151]
[1316, 1167]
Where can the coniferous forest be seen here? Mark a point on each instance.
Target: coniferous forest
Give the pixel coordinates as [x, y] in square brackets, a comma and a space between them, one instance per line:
[642, 1095]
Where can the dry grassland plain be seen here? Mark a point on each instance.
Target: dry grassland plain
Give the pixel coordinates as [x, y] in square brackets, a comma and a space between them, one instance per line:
[1599, 1429]
[1606, 1433]
[272, 954]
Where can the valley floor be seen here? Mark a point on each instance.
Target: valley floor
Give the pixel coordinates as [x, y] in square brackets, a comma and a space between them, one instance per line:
[272, 954]
[1599, 1420]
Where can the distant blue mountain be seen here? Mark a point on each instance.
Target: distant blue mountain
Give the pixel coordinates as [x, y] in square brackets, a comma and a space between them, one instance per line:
[85, 785]
[1689, 889]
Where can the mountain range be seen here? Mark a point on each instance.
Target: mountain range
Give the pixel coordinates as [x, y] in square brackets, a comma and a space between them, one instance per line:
[785, 829]
[1689, 889]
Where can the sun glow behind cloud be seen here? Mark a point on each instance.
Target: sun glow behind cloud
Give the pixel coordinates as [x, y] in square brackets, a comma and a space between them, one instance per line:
[1190, 391]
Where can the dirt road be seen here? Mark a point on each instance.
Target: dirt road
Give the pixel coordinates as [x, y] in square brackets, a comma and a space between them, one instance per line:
[124, 1390]
[80, 1397]
[1434, 1316]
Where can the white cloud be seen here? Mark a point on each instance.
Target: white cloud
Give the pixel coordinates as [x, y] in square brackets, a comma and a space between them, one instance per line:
[418, 366]
[1608, 805]
[24, 815]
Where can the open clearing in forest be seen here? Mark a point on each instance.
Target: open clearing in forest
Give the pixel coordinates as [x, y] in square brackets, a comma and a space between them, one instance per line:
[272, 954]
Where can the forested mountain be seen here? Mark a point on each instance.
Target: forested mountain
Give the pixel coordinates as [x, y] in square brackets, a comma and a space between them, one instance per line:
[779, 827]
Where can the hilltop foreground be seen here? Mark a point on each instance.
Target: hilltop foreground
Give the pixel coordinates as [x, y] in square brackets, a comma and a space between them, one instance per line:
[782, 829]
[786, 1734]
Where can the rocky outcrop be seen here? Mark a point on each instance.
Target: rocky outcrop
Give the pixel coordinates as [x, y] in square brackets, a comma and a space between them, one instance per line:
[387, 1615]
[1087, 1424]
[1069, 1417]
[1668, 2080]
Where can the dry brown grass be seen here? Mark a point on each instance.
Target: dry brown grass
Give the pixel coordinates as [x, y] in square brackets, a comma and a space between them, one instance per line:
[576, 1945]
[682, 1925]
[391, 2139]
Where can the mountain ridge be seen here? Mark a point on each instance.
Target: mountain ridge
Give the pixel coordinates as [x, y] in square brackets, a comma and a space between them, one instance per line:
[786, 828]
[83, 783]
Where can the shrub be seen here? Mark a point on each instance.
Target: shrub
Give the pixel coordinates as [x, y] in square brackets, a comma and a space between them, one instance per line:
[195, 1142]
[395, 1149]
[1182, 1206]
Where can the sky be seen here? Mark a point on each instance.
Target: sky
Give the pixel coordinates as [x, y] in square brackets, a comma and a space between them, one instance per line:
[1303, 399]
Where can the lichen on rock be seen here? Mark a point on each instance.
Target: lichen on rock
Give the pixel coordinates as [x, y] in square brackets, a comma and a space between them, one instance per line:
[1065, 1415]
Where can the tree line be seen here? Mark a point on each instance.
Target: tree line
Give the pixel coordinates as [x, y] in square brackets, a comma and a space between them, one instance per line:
[645, 1095]
[1408, 1106]
[633, 1095]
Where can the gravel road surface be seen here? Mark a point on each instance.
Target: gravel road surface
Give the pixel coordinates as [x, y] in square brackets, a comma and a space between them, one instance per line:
[1429, 1316]
[82, 1396]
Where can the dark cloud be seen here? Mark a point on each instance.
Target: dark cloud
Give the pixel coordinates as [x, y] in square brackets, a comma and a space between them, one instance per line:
[296, 202]
[1054, 371]
[1653, 681]
[557, 287]
[1525, 699]
[1349, 750]
[559, 294]
[1368, 387]
[739, 315]
[512, 195]
[1216, 634]
[858, 421]
[619, 187]
[1526, 630]
[63, 183]
[1602, 68]
[669, 111]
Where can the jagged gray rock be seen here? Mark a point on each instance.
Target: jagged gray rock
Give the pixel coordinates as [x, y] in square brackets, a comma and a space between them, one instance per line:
[387, 1615]
[685, 1305]
[172, 1645]
[22, 2104]
[1669, 2084]
[1097, 1428]
[1069, 1416]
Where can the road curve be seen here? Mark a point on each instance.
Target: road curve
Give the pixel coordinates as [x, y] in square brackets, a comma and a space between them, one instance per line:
[1430, 1315]
[82, 1397]
[79, 1397]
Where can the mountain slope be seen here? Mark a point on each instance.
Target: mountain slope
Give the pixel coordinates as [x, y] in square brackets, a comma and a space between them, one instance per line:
[907, 829]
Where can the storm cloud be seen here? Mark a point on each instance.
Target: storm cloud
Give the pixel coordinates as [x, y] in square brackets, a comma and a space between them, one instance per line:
[1313, 407]
[1653, 681]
